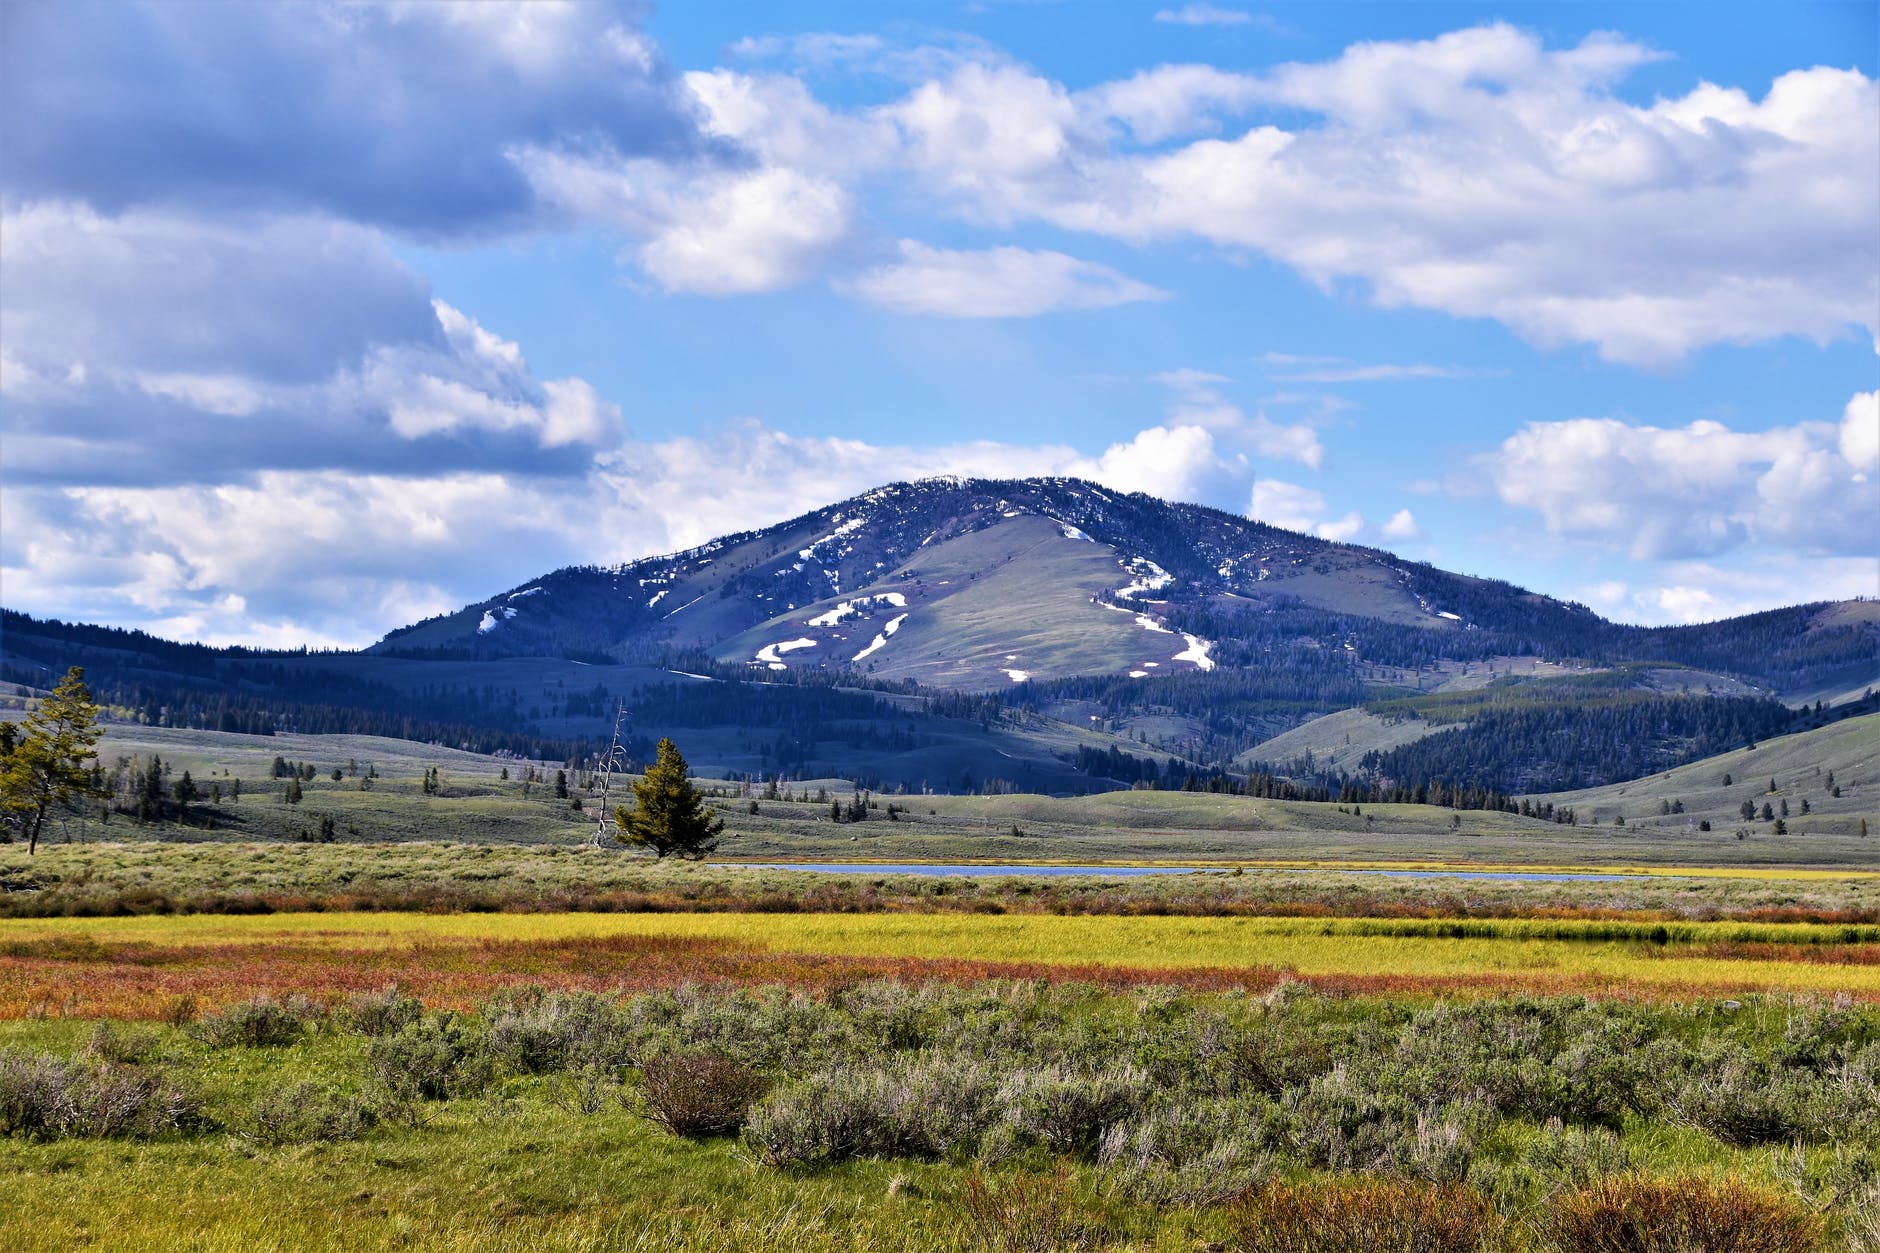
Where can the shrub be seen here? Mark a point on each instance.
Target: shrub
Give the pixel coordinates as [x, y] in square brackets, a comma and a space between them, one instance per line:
[109, 1042]
[1026, 1213]
[923, 1105]
[1066, 1111]
[699, 1093]
[264, 1022]
[1744, 1102]
[1362, 1217]
[44, 1097]
[584, 1090]
[1353, 1121]
[1184, 1155]
[382, 1012]
[305, 1113]
[432, 1059]
[1275, 1057]
[1637, 1214]
[1577, 1157]
[535, 1032]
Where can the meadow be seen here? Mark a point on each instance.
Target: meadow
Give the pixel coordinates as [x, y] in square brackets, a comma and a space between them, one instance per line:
[458, 1025]
[900, 1113]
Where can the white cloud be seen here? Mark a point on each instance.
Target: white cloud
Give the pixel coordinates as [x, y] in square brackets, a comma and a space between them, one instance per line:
[1203, 15]
[1171, 100]
[1403, 526]
[1173, 462]
[1696, 591]
[994, 283]
[1860, 432]
[1700, 490]
[399, 115]
[1297, 508]
[286, 342]
[1199, 401]
[332, 557]
[1286, 368]
[1477, 173]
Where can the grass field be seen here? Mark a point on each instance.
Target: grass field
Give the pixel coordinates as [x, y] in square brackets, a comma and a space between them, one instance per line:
[138, 967]
[909, 1115]
[477, 805]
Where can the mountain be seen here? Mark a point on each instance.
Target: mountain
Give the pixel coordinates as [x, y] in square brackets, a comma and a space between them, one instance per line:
[982, 584]
[1049, 634]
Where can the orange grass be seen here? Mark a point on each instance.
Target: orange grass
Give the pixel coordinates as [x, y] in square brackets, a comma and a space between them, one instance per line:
[80, 977]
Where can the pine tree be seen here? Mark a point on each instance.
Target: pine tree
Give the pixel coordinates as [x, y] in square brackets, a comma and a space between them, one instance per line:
[669, 814]
[51, 761]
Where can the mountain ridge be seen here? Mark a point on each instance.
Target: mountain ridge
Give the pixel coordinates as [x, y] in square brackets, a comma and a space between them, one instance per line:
[822, 589]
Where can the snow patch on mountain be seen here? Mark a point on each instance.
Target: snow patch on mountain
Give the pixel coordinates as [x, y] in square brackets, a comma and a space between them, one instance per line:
[1197, 652]
[493, 618]
[894, 624]
[1146, 576]
[768, 653]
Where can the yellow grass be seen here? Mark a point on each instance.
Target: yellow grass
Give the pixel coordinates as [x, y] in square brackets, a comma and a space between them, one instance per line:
[1544, 951]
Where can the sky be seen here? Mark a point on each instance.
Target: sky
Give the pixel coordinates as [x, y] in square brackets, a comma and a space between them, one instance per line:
[319, 319]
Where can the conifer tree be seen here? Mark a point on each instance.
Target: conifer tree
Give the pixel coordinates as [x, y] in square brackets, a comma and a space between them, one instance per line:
[51, 760]
[669, 815]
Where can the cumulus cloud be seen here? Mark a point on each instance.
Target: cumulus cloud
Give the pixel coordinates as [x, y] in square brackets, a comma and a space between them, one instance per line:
[1174, 462]
[1298, 508]
[1478, 173]
[1403, 526]
[288, 556]
[400, 115]
[1860, 433]
[1199, 401]
[1699, 591]
[994, 283]
[281, 342]
[1671, 493]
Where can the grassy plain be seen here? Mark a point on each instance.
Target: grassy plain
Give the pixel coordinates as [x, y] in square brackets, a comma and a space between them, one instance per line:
[138, 967]
[1128, 976]
[542, 1138]
[477, 805]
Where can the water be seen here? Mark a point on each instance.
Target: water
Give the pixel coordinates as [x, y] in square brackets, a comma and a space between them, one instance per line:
[1130, 872]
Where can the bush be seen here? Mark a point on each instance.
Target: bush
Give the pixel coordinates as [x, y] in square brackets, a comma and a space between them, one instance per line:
[109, 1042]
[432, 1059]
[1184, 1155]
[1362, 1217]
[264, 1022]
[382, 1012]
[699, 1093]
[924, 1105]
[1065, 1111]
[44, 1097]
[1744, 1102]
[535, 1032]
[1577, 1157]
[1027, 1213]
[1636, 1214]
[305, 1113]
[1355, 1121]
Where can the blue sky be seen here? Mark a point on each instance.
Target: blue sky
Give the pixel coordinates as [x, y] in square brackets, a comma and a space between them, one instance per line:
[315, 320]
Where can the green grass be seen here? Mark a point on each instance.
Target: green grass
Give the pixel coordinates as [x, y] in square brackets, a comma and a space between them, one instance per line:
[478, 806]
[513, 1168]
[1800, 764]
